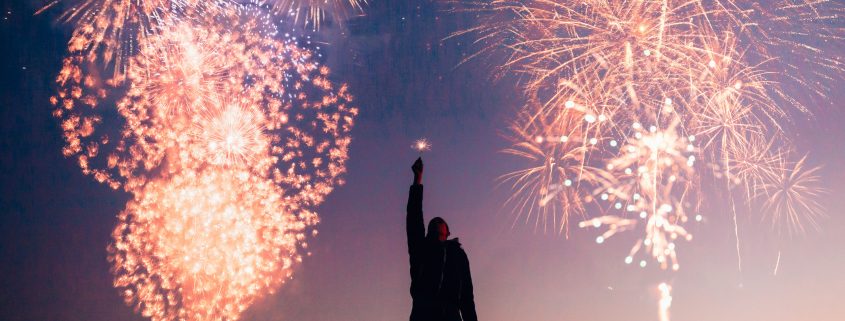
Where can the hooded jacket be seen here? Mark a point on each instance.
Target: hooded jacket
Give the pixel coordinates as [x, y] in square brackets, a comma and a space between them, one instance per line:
[441, 285]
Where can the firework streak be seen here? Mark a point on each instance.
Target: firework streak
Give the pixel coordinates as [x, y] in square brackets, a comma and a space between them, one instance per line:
[312, 12]
[633, 106]
[226, 137]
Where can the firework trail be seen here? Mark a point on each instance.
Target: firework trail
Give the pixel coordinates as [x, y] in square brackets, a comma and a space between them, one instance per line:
[313, 12]
[665, 301]
[228, 138]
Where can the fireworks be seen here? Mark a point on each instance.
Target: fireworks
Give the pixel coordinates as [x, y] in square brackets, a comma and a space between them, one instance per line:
[556, 144]
[107, 31]
[232, 135]
[313, 12]
[792, 197]
[229, 138]
[194, 85]
[632, 105]
[652, 175]
[205, 245]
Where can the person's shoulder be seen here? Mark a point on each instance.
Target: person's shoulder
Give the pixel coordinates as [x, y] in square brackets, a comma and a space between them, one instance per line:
[453, 242]
[455, 245]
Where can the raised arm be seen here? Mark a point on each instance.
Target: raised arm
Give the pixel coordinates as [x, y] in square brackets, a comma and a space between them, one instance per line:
[414, 220]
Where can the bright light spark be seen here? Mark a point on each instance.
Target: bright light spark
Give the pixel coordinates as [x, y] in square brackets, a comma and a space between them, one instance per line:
[233, 136]
[665, 301]
[421, 145]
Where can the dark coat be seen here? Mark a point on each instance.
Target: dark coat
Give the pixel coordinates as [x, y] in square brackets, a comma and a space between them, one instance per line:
[441, 286]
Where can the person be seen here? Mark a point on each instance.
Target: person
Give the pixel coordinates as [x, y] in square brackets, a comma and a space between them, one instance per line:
[441, 285]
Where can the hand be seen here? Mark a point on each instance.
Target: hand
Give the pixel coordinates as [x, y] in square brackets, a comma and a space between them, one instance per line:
[417, 168]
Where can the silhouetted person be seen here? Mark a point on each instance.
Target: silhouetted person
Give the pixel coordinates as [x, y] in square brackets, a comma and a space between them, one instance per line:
[441, 286]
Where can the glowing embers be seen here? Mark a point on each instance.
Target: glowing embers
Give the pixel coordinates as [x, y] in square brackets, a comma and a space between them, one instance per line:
[107, 32]
[203, 245]
[184, 81]
[652, 178]
[183, 71]
[228, 138]
[231, 135]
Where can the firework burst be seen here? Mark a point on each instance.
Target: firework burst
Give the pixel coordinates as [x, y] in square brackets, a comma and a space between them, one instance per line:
[659, 95]
[192, 74]
[792, 197]
[232, 136]
[556, 144]
[205, 245]
[228, 138]
[633, 106]
[652, 177]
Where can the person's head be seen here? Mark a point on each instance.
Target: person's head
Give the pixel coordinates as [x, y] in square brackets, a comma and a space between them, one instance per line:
[437, 229]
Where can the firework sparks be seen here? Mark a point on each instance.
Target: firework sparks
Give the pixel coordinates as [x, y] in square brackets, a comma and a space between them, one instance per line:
[632, 107]
[229, 139]
[107, 31]
[233, 136]
[793, 194]
[653, 174]
[421, 145]
[547, 192]
[205, 245]
[659, 95]
[654, 166]
[313, 12]
[658, 242]
[175, 91]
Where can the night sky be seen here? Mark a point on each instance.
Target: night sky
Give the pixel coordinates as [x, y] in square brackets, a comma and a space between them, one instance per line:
[55, 223]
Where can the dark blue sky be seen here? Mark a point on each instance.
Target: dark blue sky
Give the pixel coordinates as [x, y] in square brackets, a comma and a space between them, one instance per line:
[55, 223]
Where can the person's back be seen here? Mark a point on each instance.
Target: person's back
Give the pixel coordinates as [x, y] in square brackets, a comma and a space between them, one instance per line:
[441, 285]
